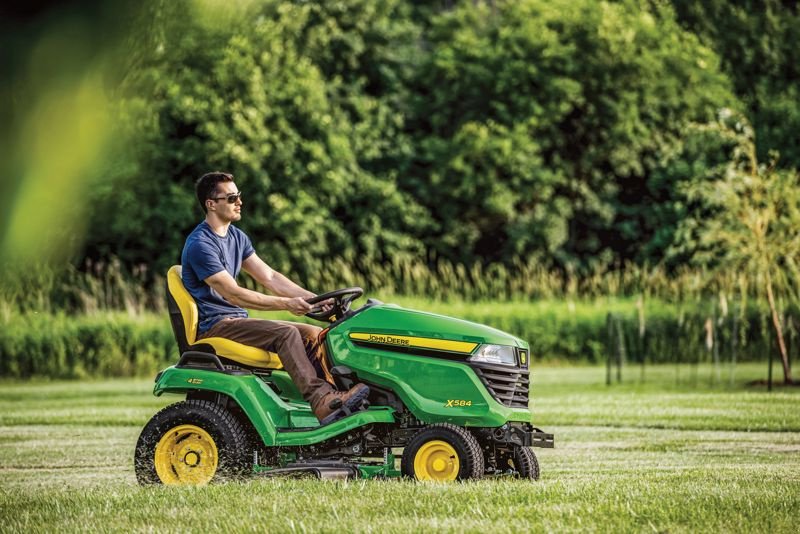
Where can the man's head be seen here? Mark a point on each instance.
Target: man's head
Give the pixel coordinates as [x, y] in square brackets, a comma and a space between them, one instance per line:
[217, 194]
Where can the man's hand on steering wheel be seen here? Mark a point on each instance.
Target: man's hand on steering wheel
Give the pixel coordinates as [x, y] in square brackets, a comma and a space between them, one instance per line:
[333, 305]
[298, 305]
[324, 306]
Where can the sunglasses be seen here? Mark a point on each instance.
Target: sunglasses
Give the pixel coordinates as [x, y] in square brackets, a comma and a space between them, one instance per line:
[232, 198]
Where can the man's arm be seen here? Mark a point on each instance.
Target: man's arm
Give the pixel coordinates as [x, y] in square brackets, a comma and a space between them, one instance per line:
[274, 281]
[224, 284]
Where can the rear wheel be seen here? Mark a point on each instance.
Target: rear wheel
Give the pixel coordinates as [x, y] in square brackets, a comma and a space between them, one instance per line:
[442, 452]
[192, 442]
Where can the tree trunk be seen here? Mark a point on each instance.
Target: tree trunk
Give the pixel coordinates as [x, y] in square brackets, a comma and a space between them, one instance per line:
[776, 322]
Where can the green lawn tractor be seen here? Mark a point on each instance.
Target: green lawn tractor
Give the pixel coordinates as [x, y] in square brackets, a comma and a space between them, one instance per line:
[451, 394]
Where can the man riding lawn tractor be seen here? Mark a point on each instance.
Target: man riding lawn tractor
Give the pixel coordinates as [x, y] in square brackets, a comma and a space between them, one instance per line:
[276, 397]
[212, 257]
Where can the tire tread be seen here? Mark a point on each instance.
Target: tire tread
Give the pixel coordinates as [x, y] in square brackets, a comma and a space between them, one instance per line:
[471, 464]
[526, 463]
[224, 426]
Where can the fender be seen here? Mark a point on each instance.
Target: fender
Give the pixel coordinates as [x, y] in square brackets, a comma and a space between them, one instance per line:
[277, 422]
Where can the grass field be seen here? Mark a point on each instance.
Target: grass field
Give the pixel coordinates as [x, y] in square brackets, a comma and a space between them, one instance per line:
[668, 455]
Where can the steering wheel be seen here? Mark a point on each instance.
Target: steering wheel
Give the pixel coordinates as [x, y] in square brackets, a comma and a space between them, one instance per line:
[342, 298]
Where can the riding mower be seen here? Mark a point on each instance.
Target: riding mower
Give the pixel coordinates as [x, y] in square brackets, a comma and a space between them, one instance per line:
[453, 395]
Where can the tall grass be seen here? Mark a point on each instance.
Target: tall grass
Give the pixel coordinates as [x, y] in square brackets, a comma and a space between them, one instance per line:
[632, 315]
[119, 344]
[60, 346]
[98, 286]
[110, 285]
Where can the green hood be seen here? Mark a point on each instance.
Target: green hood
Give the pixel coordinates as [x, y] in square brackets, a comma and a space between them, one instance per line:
[390, 319]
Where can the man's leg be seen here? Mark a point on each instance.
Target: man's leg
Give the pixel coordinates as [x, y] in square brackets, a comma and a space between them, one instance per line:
[317, 354]
[282, 338]
[285, 339]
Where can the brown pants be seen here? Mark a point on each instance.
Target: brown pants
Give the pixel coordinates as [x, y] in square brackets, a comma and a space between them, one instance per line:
[296, 344]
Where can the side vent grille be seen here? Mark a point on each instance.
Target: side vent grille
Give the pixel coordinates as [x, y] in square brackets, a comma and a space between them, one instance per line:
[508, 385]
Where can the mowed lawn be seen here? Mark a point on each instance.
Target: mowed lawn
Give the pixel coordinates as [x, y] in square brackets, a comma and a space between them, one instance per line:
[676, 453]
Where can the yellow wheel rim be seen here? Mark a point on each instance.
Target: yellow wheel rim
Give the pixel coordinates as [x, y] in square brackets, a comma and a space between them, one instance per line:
[186, 454]
[436, 460]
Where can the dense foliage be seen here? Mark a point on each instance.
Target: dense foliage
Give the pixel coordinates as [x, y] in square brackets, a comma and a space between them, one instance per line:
[471, 132]
[757, 41]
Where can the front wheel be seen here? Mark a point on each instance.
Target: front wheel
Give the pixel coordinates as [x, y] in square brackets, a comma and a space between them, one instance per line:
[521, 462]
[443, 452]
[191, 442]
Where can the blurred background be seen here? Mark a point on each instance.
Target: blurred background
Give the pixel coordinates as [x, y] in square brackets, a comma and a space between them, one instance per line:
[615, 182]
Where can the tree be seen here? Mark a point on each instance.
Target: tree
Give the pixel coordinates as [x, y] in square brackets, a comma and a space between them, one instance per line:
[283, 96]
[368, 131]
[758, 42]
[538, 126]
[748, 222]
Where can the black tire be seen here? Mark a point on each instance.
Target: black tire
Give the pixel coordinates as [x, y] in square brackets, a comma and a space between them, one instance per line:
[526, 463]
[521, 460]
[216, 429]
[466, 449]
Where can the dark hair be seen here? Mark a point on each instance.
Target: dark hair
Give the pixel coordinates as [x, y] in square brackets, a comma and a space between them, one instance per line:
[206, 186]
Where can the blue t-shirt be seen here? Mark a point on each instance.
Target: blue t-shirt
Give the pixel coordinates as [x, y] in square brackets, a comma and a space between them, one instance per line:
[206, 254]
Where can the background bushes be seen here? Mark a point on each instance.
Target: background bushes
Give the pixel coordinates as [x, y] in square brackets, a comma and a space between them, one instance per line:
[56, 346]
[471, 132]
[490, 132]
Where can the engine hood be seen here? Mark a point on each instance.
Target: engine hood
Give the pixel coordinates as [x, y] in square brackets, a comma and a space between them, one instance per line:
[392, 325]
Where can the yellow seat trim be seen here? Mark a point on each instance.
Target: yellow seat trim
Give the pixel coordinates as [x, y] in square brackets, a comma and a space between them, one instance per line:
[244, 354]
[226, 348]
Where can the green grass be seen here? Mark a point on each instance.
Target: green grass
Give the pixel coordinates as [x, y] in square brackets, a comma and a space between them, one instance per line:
[666, 455]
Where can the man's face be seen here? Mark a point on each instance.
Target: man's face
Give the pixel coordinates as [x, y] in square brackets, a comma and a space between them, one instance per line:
[226, 211]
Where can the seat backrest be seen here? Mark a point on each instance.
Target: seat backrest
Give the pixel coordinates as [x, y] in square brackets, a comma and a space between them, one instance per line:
[183, 312]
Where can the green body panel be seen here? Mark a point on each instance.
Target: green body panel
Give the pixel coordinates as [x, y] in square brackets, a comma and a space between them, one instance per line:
[392, 319]
[286, 386]
[275, 419]
[425, 384]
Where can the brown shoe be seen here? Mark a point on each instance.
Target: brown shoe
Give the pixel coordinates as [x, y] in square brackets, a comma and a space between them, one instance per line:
[337, 404]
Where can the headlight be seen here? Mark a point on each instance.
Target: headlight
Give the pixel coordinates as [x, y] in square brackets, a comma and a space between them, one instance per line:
[501, 354]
